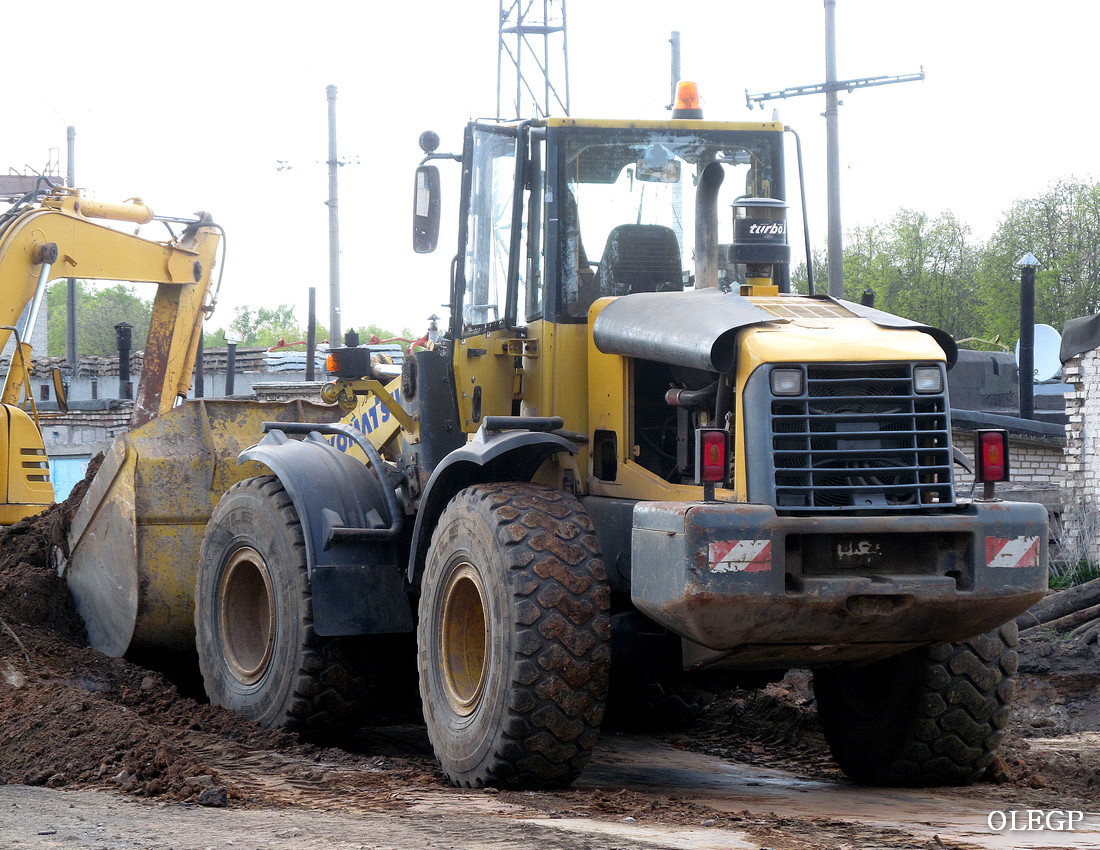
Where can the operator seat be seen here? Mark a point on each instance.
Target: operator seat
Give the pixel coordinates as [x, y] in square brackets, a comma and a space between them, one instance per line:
[640, 258]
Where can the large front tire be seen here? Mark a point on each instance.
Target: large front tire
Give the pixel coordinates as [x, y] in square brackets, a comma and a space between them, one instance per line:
[514, 637]
[258, 653]
[932, 716]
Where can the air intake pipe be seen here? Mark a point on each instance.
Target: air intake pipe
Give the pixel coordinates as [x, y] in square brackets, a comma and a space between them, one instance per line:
[706, 226]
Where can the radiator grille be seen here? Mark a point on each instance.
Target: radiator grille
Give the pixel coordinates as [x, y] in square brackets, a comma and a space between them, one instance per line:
[860, 437]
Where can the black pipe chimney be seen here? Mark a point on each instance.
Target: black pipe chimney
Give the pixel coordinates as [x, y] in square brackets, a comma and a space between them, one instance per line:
[1027, 266]
[124, 334]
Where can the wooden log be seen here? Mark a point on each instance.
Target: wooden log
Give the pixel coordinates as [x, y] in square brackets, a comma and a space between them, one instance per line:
[1069, 621]
[1087, 632]
[1058, 604]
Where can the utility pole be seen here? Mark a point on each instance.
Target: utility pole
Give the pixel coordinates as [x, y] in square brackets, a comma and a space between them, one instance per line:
[677, 188]
[832, 156]
[333, 204]
[674, 40]
[831, 88]
[70, 286]
[333, 226]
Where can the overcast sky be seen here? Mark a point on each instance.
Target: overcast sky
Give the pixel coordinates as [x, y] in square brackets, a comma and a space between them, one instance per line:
[191, 105]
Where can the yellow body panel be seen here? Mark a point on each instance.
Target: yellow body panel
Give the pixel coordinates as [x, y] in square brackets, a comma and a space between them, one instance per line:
[828, 340]
[679, 124]
[554, 384]
[24, 467]
[609, 397]
[485, 369]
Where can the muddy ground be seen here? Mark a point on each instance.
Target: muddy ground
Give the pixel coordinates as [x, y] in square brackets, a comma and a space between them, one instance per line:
[72, 719]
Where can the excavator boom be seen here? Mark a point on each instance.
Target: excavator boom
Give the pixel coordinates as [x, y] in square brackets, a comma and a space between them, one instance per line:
[57, 236]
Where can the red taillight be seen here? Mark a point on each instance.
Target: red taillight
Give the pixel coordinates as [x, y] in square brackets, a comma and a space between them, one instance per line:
[712, 450]
[991, 456]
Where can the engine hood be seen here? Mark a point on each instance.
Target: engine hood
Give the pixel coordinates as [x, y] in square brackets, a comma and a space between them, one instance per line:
[698, 329]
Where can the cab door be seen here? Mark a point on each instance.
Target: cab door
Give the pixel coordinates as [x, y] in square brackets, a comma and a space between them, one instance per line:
[491, 275]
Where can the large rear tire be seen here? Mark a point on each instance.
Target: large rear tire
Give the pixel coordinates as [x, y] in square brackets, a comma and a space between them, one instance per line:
[514, 637]
[258, 653]
[932, 716]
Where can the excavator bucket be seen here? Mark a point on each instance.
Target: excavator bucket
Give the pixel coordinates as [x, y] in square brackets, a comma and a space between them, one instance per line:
[134, 541]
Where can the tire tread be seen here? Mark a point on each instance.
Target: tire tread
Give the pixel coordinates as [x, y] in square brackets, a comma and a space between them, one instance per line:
[960, 706]
[561, 651]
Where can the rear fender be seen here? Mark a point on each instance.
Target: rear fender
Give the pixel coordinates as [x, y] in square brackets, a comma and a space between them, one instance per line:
[357, 583]
[489, 456]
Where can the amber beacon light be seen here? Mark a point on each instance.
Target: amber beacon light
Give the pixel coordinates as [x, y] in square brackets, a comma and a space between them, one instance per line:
[687, 103]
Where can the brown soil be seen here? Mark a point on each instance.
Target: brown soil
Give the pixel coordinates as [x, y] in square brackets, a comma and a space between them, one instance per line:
[75, 718]
[1057, 695]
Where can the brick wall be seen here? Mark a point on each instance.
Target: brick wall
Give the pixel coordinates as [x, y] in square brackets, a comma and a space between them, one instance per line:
[1082, 463]
[1036, 463]
[83, 431]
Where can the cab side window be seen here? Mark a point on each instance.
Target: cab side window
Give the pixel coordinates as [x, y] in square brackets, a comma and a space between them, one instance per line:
[489, 230]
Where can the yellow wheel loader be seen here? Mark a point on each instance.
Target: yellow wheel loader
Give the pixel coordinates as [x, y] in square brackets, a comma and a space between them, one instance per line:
[634, 448]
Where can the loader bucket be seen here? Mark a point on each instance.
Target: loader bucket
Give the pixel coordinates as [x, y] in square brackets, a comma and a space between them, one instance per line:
[134, 541]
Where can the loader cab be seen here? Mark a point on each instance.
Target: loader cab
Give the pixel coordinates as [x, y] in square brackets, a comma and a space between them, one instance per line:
[559, 213]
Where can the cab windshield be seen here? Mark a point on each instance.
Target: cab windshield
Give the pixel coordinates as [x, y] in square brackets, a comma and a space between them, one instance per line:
[627, 209]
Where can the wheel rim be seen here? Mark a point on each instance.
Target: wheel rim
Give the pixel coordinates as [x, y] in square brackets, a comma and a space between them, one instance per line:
[464, 639]
[246, 615]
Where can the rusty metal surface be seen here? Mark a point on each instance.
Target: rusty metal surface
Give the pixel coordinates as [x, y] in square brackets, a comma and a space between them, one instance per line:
[101, 571]
[135, 540]
[739, 580]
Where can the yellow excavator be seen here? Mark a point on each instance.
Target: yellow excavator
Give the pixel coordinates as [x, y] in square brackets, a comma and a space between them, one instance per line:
[60, 235]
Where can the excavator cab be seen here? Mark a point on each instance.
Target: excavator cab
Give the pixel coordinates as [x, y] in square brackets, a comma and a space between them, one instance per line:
[25, 487]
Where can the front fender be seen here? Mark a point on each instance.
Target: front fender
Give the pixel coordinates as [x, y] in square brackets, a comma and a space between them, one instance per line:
[357, 584]
[489, 456]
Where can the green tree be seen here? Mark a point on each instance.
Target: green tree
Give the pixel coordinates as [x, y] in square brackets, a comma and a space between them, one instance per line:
[919, 267]
[262, 326]
[1061, 228]
[800, 281]
[98, 309]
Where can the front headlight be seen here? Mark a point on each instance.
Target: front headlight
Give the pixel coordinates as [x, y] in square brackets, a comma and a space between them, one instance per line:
[928, 379]
[786, 382]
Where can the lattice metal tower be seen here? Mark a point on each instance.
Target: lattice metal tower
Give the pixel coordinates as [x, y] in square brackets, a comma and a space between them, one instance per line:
[532, 53]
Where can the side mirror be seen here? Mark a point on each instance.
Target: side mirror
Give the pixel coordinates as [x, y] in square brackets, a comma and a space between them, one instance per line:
[59, 389]
[426, 209]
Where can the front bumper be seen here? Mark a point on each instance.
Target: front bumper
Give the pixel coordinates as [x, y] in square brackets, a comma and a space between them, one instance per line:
[782, 590]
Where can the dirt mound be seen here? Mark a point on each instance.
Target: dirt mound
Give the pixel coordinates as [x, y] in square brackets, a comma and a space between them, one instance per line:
[74, 716]
[30, 590]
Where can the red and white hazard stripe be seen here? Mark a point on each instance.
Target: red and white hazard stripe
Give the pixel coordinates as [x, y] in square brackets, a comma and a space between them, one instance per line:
[1012, 551]
[741, 556]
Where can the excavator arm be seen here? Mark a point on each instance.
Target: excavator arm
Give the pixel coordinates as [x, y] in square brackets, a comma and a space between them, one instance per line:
[57, 237]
